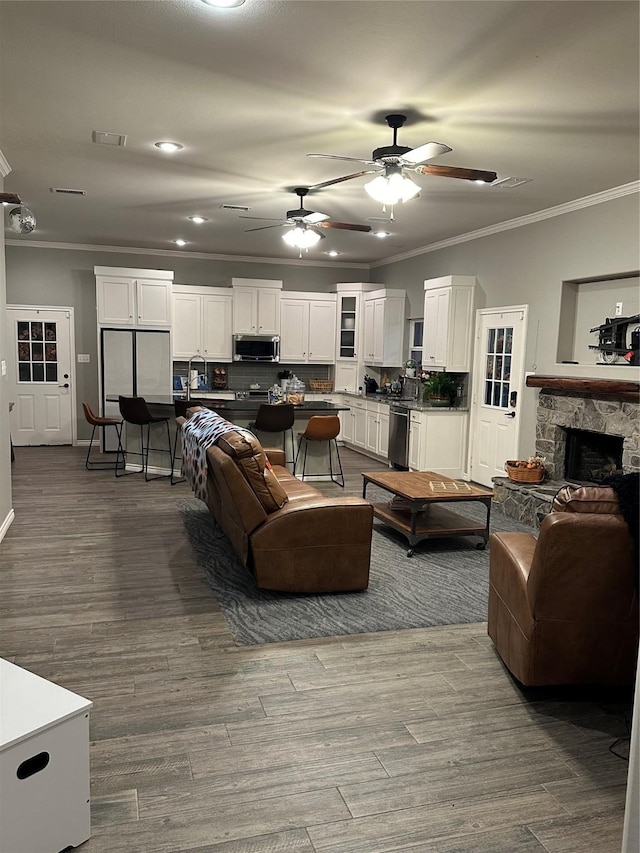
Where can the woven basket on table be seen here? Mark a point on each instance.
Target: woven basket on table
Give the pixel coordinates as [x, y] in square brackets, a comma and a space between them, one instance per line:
[321, 386]
[523, 475]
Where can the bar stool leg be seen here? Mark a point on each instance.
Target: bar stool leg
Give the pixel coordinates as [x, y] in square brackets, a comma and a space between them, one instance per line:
[341, 475]
[86, 461]
[174, 480]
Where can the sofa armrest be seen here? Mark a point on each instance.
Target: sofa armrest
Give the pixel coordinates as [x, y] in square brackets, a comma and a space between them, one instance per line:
[276, 456]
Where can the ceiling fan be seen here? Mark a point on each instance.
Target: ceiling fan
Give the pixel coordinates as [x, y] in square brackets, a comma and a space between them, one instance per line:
[391, 185]
[303, 224]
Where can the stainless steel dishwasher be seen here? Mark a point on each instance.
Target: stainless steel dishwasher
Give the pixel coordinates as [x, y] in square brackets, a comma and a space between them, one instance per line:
[398, 453]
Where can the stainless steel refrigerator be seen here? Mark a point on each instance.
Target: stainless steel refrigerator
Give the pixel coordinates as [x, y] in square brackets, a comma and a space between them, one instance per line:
[133, 363]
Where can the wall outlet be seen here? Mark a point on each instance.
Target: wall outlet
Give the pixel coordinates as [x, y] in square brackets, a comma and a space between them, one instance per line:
[618, 309]
[84, 358]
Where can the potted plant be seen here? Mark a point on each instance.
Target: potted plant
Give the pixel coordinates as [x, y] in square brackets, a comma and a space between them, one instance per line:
[440, 388]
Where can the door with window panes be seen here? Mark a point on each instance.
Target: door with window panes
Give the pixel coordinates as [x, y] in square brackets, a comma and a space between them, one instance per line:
[40, 376]
[497, 388]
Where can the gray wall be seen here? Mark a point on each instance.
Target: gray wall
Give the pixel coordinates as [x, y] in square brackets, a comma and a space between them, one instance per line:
[528, 265]
[38, 276]
[5, 455]
[525, 265]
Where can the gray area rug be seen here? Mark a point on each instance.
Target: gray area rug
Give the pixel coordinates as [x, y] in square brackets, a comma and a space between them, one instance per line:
[446, 582]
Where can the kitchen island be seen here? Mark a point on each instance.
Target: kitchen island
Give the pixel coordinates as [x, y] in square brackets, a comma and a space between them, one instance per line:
[242, 413]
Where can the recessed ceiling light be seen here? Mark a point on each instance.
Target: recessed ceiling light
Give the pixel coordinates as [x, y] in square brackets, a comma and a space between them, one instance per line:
[198, 219]
[169, 146]
[333, 253]
[223, 4]
[380, 234]
[180, 242]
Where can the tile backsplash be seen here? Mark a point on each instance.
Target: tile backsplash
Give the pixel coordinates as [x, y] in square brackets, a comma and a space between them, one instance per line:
[242, 374]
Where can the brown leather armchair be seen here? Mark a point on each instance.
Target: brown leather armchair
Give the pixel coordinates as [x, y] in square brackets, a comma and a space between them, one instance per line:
[563, 608]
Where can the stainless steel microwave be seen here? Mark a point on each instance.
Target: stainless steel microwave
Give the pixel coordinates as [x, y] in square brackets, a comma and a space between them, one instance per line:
[256, 348]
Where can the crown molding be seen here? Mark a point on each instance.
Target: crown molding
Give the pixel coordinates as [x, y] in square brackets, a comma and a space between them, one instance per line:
[5, 168]
[171, 253]
[568, 207]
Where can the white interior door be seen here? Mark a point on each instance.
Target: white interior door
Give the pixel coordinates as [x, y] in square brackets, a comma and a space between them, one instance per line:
[497, 389]
[40, 380]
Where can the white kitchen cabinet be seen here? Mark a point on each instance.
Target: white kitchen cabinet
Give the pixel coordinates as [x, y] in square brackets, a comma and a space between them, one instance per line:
[377, 434]
[134, 297]
[346, 376]
[438, 442]
[202, 323]
[449, 315]
[307, 328]
[347, 423]
[384, 322]
[415, 439]
[256, 306]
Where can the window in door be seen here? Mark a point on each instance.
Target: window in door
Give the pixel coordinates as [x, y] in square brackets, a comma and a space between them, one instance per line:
[498, 367]
[37, 351]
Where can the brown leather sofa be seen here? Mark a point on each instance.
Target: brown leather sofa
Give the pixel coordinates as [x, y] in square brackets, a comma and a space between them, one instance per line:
[563, 609]
[293, 538]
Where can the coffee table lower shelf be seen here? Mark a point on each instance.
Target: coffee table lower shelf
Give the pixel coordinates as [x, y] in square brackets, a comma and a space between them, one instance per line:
[430, 523]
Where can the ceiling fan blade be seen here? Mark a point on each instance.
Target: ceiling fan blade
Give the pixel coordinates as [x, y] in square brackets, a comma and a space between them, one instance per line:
[263, 218]
[424, 152]
[344, 226]
[264, 227]
[10, 198]
[343, 178]
[340, 157]
[457, 172]
[315, 218]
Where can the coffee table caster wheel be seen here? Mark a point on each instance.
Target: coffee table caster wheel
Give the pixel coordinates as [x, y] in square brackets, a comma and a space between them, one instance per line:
[410, 552]
[481, 546]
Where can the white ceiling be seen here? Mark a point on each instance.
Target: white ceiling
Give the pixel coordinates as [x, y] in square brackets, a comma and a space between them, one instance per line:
[540, 90]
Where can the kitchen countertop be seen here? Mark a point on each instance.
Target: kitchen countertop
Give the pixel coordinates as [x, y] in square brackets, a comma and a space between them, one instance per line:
[248, 407]
[415, 405]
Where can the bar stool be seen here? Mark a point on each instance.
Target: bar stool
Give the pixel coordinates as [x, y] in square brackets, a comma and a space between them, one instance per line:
[97, 421]
[321, 428]
[134, 410]
[278, 418]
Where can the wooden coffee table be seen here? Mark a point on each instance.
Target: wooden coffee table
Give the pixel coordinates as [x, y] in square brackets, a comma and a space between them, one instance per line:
[416, 510]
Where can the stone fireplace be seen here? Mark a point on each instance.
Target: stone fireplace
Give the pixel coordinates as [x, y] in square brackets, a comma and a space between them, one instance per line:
[588, 429]
[562, 412]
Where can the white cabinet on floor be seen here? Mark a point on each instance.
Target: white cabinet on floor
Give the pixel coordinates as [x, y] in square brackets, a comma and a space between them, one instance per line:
[449, 314]
[202, 322]
[133, 297]
[384, 322]
[366, 425]
[377, 435]
[438, 442]
[256, 306]
[307, 328]
[349, 333]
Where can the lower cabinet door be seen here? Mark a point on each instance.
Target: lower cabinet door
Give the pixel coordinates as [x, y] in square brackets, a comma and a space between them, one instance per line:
[360, 428]
[383, 435]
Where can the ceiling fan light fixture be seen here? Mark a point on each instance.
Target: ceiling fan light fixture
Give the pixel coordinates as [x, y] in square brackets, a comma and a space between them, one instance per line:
[392, 188]
[301, 237]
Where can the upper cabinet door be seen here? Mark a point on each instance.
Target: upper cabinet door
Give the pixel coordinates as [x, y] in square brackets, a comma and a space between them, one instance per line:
[294, 323]
[268, 311]
[153, 302]
[245, 311]
[369, 332]
[116, 301]
[187, 326]
[322, 334]
[216, 327]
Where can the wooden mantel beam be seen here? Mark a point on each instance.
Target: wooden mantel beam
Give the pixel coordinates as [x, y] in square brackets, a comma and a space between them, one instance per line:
[620, 388]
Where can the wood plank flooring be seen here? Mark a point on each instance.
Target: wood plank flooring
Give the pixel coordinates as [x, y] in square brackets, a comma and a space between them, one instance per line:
[401, 741]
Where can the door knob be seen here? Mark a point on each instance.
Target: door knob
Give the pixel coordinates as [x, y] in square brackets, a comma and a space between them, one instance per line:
[509, 414]
[66, 385]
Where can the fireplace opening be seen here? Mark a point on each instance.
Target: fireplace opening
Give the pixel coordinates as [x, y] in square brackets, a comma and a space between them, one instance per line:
[591, 457]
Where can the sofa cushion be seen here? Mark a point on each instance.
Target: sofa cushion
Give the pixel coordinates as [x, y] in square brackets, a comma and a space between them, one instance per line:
[601, 499]
[247, 452]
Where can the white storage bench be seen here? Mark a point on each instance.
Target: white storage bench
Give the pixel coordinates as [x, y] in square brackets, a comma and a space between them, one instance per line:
[44, 764]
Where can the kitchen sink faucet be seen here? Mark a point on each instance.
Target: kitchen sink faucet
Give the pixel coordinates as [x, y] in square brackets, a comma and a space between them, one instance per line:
[192, 359]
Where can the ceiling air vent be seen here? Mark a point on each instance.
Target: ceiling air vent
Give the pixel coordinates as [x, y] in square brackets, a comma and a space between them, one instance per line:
[66, 191]
[234, 207]
[509, 183]
[103, 137]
